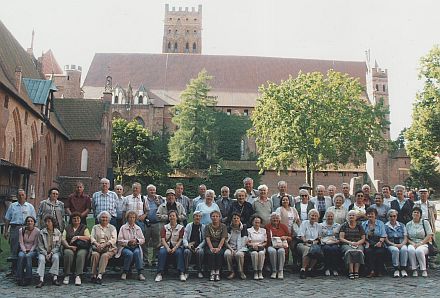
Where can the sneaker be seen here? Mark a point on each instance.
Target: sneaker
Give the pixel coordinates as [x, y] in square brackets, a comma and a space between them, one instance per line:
[217, 277]
[260, 275]
[124, 276]
[200, 275]
[158, 277]
[77, 280]
[415, 273]
[242, 275]
[141, 277]
[273, 275]
[66, 280]
[403, 273]
[182, 277]
[256, 276]
[327, 272]
[425, 273]
[302, 274]
[335, 273]
[212, 277]
[186, 275]
[396, 273]
[280, 275]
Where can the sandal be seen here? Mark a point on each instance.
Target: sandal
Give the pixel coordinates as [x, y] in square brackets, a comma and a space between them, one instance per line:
[212, 278]
[356, 275]
[351, 275]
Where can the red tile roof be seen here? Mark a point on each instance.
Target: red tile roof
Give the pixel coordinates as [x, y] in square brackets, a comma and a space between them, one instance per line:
[49, 64]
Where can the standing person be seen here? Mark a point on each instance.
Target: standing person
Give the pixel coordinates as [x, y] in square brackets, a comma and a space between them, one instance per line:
[49, 244]
[251, 193]
[348, 200]
[429, 211]
[382, 209]
[411, 195]
[304, 206]
[78, 201]
[402, 205]
[263, 206]
[282, 191]
[105, 200]
[387, 197]
[194, 243]
[200, 198]
[28, 240]
[184, 200]
[52, 206]
[207, 207]
[331, 190]
[241, 207]
[224, 202]
[120, 205]
[322, 203]
[216, 234]
[368, 198]
[153, 226]
[136, 202]
[170, 204]
[15, 219]
[339, 212]
[236, 246]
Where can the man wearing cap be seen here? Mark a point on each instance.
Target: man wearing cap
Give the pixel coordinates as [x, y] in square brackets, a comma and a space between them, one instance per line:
[429, 211]
[251, 193]
[14, 220]
[170, 204]
[282, 190]
[152, 226]
[304, 206]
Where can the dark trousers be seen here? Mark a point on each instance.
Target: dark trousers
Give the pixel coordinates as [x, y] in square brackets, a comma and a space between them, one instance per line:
[332, 256]
[375, 257]
[215, 261]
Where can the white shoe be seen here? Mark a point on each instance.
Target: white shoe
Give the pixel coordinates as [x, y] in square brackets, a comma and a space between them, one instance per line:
[396, 273]
[77, 280]
[425, 273]
[124, 276]
[66, 280]
[415, 274]
[256, 276]
[280, 275]
[158, 277]
[327, 272]
[141, 277]
[186, 275]
[182, 277]
[260, 275]
[273, 275]
[403, 273]
[200, 275]
[335, 273]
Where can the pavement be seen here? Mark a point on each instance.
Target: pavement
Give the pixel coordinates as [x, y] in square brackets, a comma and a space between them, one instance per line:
[321, 286]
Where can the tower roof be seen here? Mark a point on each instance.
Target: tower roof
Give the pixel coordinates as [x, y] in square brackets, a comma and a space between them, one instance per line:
[49, 64]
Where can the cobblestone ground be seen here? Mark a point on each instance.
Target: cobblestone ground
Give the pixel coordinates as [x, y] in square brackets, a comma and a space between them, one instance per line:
[194, 287]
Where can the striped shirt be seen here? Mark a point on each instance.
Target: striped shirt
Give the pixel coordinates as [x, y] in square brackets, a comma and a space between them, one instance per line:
[104, 202]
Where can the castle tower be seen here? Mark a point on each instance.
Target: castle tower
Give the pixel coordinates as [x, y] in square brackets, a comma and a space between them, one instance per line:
[182, 30]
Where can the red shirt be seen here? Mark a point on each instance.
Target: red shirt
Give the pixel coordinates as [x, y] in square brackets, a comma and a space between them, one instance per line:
[271, 231]
[78, 203]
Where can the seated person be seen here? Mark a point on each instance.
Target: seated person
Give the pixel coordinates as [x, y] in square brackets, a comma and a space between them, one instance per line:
[194, 243]
[28, 240]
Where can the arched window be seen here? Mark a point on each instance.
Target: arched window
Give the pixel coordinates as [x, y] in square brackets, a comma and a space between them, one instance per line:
[194, 47]
[383, 88]
[84, 160]
[187, 48]
[377, 87]
[116, 99]
[140, 99]
[140, 121]
[175, 47]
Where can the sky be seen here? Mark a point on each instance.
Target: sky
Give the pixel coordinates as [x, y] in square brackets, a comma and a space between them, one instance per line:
[397, 33]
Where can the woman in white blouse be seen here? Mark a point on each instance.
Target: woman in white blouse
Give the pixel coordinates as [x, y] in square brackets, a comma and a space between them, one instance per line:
[256, 243]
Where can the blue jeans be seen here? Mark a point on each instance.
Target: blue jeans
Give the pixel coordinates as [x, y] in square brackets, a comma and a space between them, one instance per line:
[164, 257]
[25, 262]
[129, 254]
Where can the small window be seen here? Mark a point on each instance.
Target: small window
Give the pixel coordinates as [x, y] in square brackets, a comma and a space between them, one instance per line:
[195, 19]
[325, 173]
[175, 46]
[141, 99]
[26, 115]
[187, 31]
[171, 19]
[6, 104]
[116, 99]
[178, 19]
[246, 113]
[42, 128]
[195, 31]
[175, 32]
[383, 87]
[84, 160]
[377, 163]
[228, 111]
[187, 46]
[187, 19]
[194, 47]
[169, 31]
[377, 87]
[68, 77]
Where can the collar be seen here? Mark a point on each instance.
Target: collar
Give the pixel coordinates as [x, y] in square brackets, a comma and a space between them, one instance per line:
[388, 224]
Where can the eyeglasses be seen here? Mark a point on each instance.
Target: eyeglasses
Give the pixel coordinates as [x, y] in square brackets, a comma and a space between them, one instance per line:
[393, 215]
[360, 196]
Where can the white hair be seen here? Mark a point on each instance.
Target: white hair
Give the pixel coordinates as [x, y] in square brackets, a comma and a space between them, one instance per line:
[320, 186]
[151, 186]
[104, 180]
[136, 184]
[263, 186]
[398, 186]
[104, 213]
[282, 182]
[210, 192]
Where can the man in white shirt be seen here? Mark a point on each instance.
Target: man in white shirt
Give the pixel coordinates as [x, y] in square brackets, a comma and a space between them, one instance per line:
[136, 202]
[387, 197]
[200, 198]
[251, 193]
[348, 200]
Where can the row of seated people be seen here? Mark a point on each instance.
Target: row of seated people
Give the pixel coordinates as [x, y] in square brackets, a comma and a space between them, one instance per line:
[354, 243]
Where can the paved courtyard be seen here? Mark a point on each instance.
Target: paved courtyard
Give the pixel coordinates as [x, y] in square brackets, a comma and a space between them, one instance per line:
[291, 286]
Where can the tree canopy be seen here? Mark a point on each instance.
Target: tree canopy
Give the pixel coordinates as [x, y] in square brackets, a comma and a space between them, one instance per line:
[314, 120]
[423, 137]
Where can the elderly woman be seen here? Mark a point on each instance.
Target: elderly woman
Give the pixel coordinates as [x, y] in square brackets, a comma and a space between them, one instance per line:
[263, 206]
[359, 205]
[419, 235]
[76, 243]
[130, 239]
[375, 236]
[396, 241]
[304, 206]
[256, 243]
[28, 240]
[236, 246]
[241, 207]
[339, 212]
[53, 207]
[49, 244]
[171, 237]
[352, 238]
[330, 243]
[194, 242]
[278, 237]
[103, 239]
[382, 209]
[207, 207]
[309, 233]
[216, 234]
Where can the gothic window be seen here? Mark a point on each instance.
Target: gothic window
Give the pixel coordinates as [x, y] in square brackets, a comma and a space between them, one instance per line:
[175, 47]
[383, 87]
[377, 87]
[178, 19]
[194, 47]
[26, 115]
[169, 45]
[246, 113]
[6, 104]
[169, 31]
[116, 99]
[187, 48]
[228, 111]
[140, 121]
[141, 99]
[195, 19]
[84, 160]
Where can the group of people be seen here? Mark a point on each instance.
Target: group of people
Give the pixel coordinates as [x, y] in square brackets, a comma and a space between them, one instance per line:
[249, 230]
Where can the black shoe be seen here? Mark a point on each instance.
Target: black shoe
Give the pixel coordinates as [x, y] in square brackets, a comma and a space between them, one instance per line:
[56, 282]
[27, 282]
[93, 279]
[99, 281]
[20, 282]
[39, 285]
[302, 274]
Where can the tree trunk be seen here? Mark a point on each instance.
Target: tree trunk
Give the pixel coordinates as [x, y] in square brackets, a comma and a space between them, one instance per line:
[308, 172]
[312, 181]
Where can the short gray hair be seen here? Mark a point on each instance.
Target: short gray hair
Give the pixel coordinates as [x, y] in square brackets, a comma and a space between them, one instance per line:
[104, 180]
[312, 211]
[263, 186]
[136, 184]
[210, 192]
[237, 191]
[398, 186]
[350, 213]
[224, 188]
[247, 179]
[392, 211]
[102, 213]
[151, 186]
[282, 182]
[320, 186]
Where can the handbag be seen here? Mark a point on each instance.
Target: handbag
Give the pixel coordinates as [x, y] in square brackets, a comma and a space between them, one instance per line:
[278, 243]
[82, 244]
[432, 245]
[315, 251]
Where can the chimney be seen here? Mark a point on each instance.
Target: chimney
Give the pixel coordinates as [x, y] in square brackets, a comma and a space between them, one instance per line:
[107, 94]
[18, 77]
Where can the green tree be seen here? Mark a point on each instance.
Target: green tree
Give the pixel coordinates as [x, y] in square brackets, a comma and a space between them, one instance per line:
[193, 143]
[315, 120]
[423, 137]
[132, 148]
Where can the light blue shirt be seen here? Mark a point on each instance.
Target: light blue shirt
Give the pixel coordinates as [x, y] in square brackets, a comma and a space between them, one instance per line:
[379, 230]
[17, 213]
[206, 212]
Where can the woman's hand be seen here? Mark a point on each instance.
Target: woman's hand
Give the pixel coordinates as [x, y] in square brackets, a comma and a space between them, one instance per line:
[73, 248]
[169, 250]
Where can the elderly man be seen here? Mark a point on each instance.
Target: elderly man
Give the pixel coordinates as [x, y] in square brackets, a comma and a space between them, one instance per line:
[348, 200]
[120, 206]
[305, 186]
[200, 198]
[182, 199]
[282, 190]
[14, 220]
[331, 190]
[170, 204]
[137, 203]
[321, 202]
[387, 197]
[402, 205]
[105, 200]
[429, 211]
[224, 202]
[368, 198]
[251, 193]
[263, 206]
[152, 225]
[78, 201]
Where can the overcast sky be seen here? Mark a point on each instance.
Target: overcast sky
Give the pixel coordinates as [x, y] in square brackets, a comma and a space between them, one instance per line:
[398, 33]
